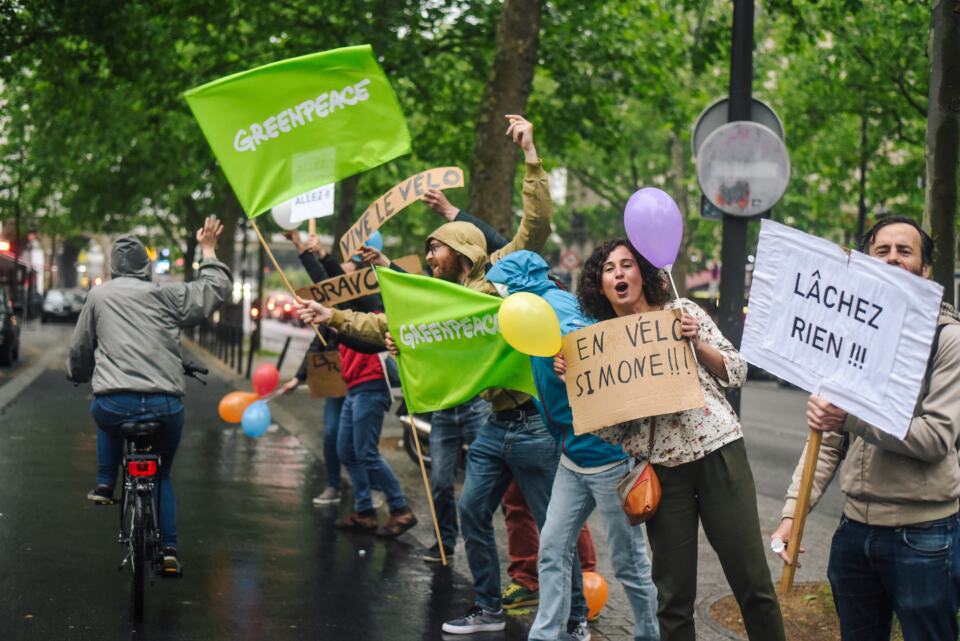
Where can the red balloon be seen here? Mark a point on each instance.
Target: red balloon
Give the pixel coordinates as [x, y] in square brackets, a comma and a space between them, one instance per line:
[265, 378]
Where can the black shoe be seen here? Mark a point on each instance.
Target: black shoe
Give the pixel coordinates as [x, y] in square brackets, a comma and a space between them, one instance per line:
[433, 554]
[101, 495]
[171, 564]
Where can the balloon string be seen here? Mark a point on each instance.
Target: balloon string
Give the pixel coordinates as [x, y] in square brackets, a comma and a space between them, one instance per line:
[679, 303]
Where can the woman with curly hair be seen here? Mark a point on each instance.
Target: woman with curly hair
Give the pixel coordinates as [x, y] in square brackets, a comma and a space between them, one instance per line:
[698, 455]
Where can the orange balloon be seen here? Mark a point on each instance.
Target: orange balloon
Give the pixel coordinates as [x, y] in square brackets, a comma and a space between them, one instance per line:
[233, 404]
[595, 592]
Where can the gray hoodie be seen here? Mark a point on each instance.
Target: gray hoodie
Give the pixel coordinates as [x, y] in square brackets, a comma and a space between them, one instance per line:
[128, 335]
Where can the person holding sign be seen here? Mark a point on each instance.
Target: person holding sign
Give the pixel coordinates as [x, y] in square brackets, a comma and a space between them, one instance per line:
[896, 549]
[698, 455]
[514, 441]
[587, 478]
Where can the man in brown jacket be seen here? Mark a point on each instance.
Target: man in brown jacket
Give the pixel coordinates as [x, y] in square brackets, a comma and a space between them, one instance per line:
[896, 549]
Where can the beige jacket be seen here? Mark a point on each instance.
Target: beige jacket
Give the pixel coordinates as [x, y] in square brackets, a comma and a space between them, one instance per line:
[466, 239]
[889, 482]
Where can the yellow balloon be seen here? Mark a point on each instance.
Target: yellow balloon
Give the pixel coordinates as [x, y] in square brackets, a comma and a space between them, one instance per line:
[529, 324]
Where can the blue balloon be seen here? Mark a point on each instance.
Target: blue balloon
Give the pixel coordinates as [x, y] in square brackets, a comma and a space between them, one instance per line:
[256, 419]
[375, 241]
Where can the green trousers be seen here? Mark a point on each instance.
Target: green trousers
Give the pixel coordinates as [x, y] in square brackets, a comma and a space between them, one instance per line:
[717, 491]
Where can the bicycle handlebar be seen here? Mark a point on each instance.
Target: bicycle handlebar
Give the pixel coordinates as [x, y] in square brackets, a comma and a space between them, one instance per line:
[194, 371]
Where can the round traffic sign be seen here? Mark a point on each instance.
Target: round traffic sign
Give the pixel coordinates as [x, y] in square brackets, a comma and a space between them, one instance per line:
[743, 168]
[569, 260]
[715, 116]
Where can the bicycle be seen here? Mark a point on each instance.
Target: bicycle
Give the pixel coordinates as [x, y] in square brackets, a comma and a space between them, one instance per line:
[139, 505]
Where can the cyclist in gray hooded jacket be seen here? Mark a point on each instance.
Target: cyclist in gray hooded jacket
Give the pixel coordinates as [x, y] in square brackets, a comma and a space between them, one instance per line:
[127, 340]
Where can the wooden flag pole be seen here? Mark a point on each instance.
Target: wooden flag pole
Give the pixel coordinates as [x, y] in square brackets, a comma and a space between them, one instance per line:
[426, 485]
[283, 276]
[312, 226]
[803, 506]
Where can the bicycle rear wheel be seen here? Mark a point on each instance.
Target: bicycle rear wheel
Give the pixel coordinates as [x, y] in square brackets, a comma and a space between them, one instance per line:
[138, 540]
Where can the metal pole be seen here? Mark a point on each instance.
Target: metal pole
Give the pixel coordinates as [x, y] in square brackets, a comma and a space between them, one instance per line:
[734, 251]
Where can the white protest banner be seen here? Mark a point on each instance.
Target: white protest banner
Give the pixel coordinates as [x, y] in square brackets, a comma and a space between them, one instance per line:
[316, 203]
[628, 368]
[852, 329]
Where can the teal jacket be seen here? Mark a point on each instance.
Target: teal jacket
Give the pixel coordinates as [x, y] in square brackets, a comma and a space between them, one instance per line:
[525, 271]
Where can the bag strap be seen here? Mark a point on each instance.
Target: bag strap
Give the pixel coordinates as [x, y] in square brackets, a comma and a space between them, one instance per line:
[653, 428]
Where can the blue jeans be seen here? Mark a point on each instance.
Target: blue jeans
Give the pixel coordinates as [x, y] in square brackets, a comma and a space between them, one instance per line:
[504, 450]
[911, 570]
[358, 445]
[449, 430]
[109, 412]
[573, 499]
[332, 408]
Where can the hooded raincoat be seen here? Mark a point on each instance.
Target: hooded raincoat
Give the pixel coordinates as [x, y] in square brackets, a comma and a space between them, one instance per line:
[128, 335]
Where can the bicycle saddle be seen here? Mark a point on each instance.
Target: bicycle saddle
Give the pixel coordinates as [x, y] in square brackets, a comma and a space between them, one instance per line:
[139, 430]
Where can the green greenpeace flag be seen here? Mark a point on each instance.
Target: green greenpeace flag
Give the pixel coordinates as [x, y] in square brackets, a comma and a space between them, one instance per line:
[288, 127]
[450, 344]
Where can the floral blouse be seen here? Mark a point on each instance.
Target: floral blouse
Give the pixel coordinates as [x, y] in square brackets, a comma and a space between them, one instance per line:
[687, 436]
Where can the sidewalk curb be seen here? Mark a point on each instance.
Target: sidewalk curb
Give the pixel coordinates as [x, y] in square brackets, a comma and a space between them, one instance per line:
[702, 610]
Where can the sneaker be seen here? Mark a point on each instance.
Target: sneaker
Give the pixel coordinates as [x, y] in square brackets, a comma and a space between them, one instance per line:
[476, 620]
[399, 522]
[330, 496]
[365, 521]
[171, 564]
[516, 595]
[101, 495]
[578, 631]
[376, 497]
[433, 554]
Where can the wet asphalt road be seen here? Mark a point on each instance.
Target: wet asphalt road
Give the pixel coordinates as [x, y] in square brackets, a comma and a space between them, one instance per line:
[260, 563]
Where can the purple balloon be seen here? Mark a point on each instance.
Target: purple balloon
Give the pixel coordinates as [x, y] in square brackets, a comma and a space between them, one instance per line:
[654, 225]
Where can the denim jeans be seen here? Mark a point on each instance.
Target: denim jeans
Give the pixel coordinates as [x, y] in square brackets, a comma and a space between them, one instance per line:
[573, 499]
[449, 430]
[912, 571]
[112, 410]
[358, 445]
[504, 450]
[332, 408]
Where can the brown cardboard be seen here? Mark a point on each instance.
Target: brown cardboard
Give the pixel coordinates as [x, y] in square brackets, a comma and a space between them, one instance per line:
[323, 375]
[394, 201]
[628, 368]
[346, 287]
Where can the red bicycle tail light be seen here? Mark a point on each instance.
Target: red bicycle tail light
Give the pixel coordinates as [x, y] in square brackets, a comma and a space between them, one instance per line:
[142, 468]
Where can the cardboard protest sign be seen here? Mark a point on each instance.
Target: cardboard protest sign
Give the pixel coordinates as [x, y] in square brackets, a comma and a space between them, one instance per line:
[450, 344]
[316, 203]
[284, 128]
[391, 203]
[323, 375]
[347, 287]
[628, 368]
[852, 329]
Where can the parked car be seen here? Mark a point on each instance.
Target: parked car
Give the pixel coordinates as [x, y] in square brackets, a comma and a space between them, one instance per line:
[9, 331]
[61, 304]
[280, 307]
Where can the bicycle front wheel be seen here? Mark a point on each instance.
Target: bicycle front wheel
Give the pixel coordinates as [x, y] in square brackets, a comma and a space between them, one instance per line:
[138, 541]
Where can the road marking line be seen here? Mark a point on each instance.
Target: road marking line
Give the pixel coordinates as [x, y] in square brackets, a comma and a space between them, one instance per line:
[21, 381]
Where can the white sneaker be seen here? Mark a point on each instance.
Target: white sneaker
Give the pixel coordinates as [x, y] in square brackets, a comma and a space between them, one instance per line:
[578, 631]
[330, 496]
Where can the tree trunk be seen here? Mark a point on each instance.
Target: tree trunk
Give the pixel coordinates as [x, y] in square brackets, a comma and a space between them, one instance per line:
[506, 92]
[678, 189]
[943, 139]
[345, 208]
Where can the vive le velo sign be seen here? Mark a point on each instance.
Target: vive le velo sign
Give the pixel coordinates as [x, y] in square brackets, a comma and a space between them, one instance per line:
[852, 329]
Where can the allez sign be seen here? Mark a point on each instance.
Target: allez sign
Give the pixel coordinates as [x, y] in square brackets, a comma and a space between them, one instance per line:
[852, 329]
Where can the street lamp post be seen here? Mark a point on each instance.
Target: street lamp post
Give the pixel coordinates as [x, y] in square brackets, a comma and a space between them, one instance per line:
[734, 250]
